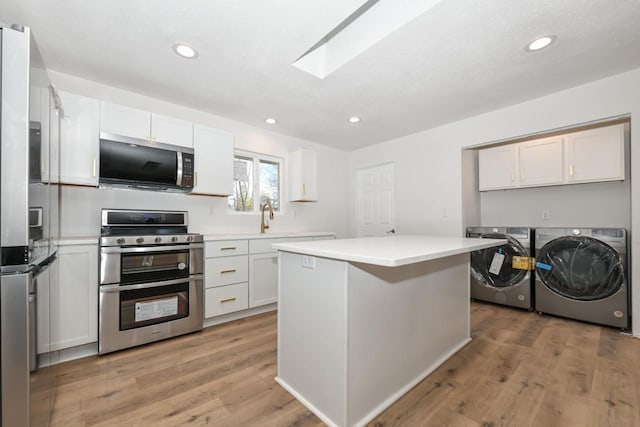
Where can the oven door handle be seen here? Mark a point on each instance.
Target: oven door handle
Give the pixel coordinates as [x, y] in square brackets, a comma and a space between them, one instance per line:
[119, 288]
[121, 250]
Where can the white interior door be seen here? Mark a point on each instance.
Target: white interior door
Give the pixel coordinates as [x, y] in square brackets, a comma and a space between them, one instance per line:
[375, 201]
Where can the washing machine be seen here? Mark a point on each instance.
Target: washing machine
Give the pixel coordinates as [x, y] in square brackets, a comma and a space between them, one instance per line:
[494, 277]
[581, 273]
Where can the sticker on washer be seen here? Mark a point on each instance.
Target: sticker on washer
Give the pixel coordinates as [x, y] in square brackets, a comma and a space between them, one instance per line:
[543, 266]
[157, 308]
[496, 263]
[523, 263]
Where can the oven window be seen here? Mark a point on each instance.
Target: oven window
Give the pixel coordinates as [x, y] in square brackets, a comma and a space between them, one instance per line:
[154, 266]
[144, 307]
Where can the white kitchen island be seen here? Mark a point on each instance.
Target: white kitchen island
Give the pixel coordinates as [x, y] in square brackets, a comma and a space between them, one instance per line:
[361, 321]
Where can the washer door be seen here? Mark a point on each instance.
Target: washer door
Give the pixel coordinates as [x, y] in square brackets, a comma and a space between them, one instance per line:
[580, 268]
[507, 276]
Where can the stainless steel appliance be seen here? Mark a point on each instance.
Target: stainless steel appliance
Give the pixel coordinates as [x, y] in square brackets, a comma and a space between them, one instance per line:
[494, 278]
[29, 118]
[581, 273]
[138, 163]
[151, 278]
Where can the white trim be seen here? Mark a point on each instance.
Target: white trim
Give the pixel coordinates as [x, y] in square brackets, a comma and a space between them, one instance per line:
[306, 403]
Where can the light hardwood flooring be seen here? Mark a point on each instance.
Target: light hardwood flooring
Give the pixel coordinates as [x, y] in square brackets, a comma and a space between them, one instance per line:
[521, 369]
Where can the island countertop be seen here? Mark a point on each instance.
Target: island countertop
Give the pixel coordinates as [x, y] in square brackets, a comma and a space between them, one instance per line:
[390, 251]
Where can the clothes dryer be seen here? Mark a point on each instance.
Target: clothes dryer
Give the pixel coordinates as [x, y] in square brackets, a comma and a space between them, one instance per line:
[493, 276]
[581, 273]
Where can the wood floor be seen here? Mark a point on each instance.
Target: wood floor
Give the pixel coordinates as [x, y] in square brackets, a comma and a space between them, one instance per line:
[521, 369]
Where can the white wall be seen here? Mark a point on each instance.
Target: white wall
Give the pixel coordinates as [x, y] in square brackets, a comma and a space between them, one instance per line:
[208, 215]
[429, 164]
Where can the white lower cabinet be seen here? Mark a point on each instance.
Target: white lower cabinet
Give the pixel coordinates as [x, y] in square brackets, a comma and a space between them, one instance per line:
[263, 279]
[73, 300]
[225, 299]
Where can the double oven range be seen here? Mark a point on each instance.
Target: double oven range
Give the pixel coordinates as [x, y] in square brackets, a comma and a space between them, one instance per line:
[151, 278]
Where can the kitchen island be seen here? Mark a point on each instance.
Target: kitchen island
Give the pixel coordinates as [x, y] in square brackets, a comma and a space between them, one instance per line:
[361, 321]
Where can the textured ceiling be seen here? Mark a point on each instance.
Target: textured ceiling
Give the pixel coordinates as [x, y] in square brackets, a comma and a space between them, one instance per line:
[458, 59]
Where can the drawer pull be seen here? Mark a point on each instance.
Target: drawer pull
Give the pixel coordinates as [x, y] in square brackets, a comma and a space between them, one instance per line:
[230, 248]
[222, 301]
[228, 271]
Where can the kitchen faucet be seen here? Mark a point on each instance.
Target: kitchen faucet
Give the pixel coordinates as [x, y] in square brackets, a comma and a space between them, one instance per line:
[264, 226]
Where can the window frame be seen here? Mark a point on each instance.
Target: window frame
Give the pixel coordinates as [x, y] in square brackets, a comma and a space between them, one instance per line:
[257, 157]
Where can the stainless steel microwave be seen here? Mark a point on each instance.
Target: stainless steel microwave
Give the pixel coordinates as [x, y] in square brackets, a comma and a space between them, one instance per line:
[139, 163]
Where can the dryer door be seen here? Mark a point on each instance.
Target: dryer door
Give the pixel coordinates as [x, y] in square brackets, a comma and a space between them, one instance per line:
[580, 268]
[507, 276]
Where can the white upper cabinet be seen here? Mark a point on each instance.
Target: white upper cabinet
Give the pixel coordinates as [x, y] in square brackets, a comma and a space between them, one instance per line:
[541, 162]
[169, 130]
[79, 140]
[303, 176]
[134, 123]
[596, 155]
[213, 157]
[591, 155]
[497, 167]
[125, 121]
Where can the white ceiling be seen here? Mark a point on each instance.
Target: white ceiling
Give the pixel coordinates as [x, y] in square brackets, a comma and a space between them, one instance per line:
[458, 59]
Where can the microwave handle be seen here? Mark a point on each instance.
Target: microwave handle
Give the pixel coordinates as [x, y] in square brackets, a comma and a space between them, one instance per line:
[179, 179]
[120, 288]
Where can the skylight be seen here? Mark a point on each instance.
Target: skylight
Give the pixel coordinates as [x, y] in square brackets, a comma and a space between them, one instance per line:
[370, 23]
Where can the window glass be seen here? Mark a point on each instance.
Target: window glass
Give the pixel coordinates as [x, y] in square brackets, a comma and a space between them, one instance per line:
[255, 174]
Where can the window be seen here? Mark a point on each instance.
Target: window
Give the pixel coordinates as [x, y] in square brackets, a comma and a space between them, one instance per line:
[255, 174]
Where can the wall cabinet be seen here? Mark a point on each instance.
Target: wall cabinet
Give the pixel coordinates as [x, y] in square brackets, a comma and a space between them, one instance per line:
[79, 140]
[72, 300]
[591, 155]
[596, 155]
[303, 176]
[134, 123]
[213, 157]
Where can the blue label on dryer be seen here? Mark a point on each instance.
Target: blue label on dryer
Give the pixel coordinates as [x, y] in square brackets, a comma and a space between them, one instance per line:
[543, 266]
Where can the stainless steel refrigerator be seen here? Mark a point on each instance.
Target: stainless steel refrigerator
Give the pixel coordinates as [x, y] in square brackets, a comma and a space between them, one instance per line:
[29, 224]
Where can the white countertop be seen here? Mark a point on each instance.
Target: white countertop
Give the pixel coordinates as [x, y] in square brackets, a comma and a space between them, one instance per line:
[240, 236]
[389, 251]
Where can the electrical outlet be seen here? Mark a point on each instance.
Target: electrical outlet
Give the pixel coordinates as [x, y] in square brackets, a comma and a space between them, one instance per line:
[308, 261]
[546, 215]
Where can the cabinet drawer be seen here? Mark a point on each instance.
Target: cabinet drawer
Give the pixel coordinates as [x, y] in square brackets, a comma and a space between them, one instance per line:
[226, 248]
[225, 270]
[226, 299]
[259, 246]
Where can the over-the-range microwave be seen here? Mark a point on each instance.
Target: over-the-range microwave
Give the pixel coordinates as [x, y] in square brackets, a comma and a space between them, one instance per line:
[139, 163]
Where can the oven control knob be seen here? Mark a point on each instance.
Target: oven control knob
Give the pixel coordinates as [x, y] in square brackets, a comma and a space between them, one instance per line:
[139, 240]
[158, 239]
[182, 266]
[189, 238]
[120, 241]
[575, 232]
[174, 239]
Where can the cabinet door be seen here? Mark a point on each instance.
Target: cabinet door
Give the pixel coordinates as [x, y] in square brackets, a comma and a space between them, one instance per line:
[263, 279]
[79, 140]
[170, 130]
[213, 158]
[541, 162]
[596, 155]
[303, 175]
[125, 121]
[497, 167]
[74, 301]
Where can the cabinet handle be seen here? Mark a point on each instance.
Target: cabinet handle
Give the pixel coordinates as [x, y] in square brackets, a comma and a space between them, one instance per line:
[304, 189]
[195, 179]
[513, 177]
[570, 170]
[94, 168]
[153, 138]
[147, 135]
[522, 175]
[222, 301]
[228, 271]
[230, 248]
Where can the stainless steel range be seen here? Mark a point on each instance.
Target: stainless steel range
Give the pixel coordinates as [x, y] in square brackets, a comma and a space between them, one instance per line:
[151, 278]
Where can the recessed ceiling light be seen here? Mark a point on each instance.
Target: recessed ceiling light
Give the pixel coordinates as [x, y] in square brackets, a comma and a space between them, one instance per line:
[185, 50]
[270, 121]
[540, 43]
[354, 119]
